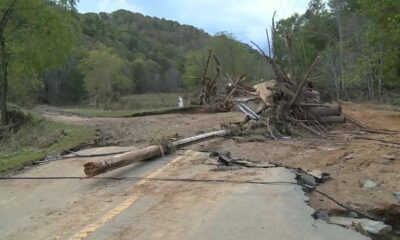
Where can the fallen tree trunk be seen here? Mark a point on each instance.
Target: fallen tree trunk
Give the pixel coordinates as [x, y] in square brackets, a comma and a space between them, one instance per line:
[332, 119]
[326, 119]
[92, 169]
[328, 110]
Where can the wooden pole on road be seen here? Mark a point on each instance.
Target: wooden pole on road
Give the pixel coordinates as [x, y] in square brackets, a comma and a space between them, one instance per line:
[92, 169]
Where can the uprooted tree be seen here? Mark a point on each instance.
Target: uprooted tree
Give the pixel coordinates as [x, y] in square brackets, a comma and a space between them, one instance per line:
[288, 101]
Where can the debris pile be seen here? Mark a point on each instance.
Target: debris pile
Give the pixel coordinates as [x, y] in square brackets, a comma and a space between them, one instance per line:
[222, 100]
[278, 106]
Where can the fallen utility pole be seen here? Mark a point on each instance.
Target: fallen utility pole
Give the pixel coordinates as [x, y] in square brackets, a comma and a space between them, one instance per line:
[95, 168]
[198, 138]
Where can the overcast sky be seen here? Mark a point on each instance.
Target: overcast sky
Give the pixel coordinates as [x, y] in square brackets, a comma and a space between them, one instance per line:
[246, 19]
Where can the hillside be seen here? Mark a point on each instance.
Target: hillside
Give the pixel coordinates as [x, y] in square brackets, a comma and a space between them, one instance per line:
[153, 55]
[155, 47]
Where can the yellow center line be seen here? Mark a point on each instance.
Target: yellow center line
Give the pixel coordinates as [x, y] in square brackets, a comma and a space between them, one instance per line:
[82, 234]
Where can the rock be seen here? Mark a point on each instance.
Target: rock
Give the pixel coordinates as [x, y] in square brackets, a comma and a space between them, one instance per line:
[348, 156]
[397, 194]
[307, 180]
[353, 215]
[368, 184]
[361, 224]
[376, 228]
[318, 175]
[389, 157]
[321, 215]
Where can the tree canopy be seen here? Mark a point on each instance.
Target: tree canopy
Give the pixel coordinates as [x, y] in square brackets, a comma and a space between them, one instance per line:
[235, 59]
[35, 35]
[155, 50]
[106, 75]
[358, 40]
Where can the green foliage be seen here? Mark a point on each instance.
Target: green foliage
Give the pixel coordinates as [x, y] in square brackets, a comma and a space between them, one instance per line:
[150, 101]
[38, 138]
[106, 75]
[310, 34]
[137, 54]
[155, 48]
[121, 113]
[383, 33]
[235, 59]
[195, 62]
[39, 36]
[358, 40]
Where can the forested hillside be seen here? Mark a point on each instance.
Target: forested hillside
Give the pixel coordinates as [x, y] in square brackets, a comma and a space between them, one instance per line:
[109, 55]
[127, 53]
[359, 43]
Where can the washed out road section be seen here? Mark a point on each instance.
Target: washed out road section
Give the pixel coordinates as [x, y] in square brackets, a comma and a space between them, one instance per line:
[158, 209]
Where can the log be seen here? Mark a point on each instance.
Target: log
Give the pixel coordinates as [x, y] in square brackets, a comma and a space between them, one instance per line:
[92, 169]
[328, 110]
[326, 119]
[332, 119]
[95, 168]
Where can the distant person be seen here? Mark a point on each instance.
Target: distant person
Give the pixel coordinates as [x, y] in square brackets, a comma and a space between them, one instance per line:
[180, 102]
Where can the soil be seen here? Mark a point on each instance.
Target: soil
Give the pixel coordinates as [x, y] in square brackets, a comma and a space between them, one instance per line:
[142, 130]
[348, 159]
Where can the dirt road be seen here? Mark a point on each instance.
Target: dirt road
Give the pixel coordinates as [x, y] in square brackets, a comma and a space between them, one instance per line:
[175, 200]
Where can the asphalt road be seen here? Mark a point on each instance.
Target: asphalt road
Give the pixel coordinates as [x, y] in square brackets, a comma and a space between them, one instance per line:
[170, 198]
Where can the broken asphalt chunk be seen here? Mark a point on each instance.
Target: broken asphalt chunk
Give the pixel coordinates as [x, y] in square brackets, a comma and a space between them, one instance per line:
[362, 224]
[306, 179]
[321, 214]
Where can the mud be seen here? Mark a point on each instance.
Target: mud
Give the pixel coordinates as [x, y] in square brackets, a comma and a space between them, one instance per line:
[348, 160]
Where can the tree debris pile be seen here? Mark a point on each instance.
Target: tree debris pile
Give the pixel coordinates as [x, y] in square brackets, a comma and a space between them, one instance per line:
[222, 99]
[281, 105]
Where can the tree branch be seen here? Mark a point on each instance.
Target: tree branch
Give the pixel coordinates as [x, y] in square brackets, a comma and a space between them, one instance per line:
[304, 81]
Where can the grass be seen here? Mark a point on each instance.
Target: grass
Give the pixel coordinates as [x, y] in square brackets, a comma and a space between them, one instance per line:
[149, 101]
[34, 140]
[133, 105]
[119, 113]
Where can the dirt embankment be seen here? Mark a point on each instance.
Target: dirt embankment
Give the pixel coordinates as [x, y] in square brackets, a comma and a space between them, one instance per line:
[346, 155]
